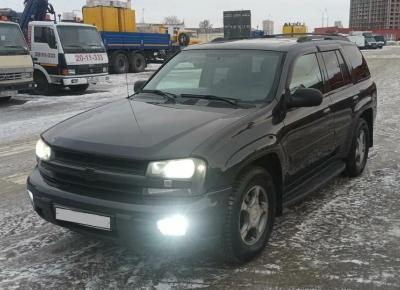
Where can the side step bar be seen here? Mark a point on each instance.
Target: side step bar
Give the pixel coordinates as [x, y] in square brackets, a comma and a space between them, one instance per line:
[313, 183]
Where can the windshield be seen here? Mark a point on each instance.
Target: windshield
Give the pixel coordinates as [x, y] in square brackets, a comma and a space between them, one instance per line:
[80, 39]
[12, 40]
[243, 75]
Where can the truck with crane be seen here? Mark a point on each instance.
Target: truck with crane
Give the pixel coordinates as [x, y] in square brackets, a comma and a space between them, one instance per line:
[64, 54]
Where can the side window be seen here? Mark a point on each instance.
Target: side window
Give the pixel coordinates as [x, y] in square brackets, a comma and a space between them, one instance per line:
[45, 35]
[359, 69]
[306, 74]
[343, 67]
[335, 77]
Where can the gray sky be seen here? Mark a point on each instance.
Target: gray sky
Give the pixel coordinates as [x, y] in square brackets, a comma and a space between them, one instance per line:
[309, 11]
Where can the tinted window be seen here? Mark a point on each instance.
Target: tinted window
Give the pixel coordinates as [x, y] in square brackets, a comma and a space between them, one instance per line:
[343, 67]
[335, 77]
[247, 75]
[360, 69]
[306, 74]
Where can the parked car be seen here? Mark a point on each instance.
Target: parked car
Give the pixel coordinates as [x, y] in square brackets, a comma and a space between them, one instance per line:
[213, 146]
[370, 43]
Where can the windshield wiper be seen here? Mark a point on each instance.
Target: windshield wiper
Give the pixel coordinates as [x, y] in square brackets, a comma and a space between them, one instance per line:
[14, 46]
[169, 96]
[231, 101]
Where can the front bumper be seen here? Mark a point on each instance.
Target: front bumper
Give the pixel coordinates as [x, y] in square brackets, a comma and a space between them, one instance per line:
[130, 221]
[80, 80]
[16, 87]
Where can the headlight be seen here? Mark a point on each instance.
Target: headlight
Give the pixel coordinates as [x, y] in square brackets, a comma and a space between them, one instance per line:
[71, 71]
[43, 151]
[177, 169]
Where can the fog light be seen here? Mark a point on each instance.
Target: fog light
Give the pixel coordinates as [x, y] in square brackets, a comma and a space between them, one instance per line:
[30, 194]
[173, 226]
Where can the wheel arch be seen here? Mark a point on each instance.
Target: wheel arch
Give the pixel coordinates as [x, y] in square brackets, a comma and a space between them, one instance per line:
[368, 116]
[272, 162]
[39, 68]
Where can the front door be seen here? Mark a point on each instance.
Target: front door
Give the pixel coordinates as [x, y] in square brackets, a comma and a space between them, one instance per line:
[44, 48]
[309, 132]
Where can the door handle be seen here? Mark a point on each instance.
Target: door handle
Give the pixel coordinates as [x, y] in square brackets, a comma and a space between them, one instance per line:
[327, 111]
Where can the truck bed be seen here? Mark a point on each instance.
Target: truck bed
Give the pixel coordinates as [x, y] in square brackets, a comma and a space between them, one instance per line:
[137, 41]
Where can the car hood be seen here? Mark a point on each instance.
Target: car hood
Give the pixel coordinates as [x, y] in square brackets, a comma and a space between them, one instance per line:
[141, 130]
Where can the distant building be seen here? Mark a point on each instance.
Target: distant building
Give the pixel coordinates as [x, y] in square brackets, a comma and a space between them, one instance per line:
[374, 14]
[268, 27]
[338, 24]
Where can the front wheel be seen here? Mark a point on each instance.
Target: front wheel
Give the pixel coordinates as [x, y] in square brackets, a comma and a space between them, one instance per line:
[358, 156]
[250, 216]
[80, 89]
[43, 87]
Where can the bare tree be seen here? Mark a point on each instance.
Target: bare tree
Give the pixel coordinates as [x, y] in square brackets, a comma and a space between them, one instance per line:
[205, 24]
[172, 20]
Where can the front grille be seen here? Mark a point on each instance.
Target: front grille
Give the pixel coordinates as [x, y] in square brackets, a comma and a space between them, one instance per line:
[11, 76]
[85, 160]
[113, 179]
[89, 70]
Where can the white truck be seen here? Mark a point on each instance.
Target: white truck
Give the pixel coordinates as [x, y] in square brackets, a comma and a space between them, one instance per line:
[16, 67]
[66, 55]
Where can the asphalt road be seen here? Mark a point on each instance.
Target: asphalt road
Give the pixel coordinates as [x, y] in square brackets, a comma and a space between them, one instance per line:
[345, 236]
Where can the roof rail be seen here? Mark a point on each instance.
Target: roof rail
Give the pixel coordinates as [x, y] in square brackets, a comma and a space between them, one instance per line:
[306, 37]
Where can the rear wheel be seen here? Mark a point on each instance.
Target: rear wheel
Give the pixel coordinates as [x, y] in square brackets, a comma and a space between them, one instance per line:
[250, 216]
[43, 87]
[358, 156]
[137, 62]
[119, 63]
[79, 88]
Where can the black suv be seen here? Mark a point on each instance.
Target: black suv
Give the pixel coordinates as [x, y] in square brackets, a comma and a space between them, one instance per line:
[213, 146]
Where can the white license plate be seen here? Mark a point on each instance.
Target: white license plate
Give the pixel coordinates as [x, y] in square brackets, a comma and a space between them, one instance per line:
[8, 93]
[82, 218]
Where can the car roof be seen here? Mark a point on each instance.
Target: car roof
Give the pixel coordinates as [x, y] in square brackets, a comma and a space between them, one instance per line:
[271, 44]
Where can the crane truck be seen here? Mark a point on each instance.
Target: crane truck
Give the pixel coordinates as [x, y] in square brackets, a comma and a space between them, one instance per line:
[64, 54]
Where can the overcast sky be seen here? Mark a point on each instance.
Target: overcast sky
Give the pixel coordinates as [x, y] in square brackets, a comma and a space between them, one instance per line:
[193, 11]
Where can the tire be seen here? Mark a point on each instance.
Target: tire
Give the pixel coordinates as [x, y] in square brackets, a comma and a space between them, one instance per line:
[119, 63]
[80, 89]
[238, 248]
[42, 85]
[184, 39]
[358, 155]
[4, 99]
[137, 62]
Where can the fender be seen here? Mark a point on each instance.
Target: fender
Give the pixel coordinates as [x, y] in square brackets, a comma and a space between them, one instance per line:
[42, 70]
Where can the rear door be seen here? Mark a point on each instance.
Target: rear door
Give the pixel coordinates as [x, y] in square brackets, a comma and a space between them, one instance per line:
[342, 93]
[309, 132]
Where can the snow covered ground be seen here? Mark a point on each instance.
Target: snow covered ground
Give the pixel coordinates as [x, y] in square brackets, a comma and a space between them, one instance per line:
[345, 236]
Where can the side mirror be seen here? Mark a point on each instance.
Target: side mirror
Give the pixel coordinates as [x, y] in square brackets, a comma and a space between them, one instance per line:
[305, 98]
[139, 86]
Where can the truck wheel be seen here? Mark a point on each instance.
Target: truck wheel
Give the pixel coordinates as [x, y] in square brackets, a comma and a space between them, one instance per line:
[80, 89]
[184, 39]
[42, 85]
[358, 156]
[119, 63]
[249, 217]
[137, 62]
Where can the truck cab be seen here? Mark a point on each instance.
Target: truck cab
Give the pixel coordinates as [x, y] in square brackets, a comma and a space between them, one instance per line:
[16, 67]
[66, 55]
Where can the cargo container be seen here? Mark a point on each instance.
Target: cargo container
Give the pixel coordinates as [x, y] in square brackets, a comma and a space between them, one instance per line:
[128, 50]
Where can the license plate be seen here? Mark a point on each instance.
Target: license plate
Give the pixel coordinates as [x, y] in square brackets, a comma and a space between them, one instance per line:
[82, 218]
[8, 93]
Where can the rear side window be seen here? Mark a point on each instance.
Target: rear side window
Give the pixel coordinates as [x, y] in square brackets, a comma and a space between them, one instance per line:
[359, 67]
[306, 74]
[334, 67]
